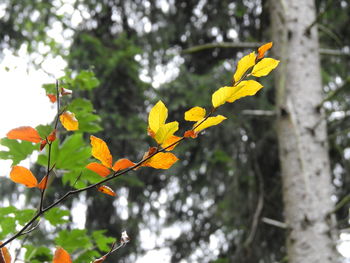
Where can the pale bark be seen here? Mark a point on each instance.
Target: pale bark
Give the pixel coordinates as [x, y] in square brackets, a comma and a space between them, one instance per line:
[302, 134]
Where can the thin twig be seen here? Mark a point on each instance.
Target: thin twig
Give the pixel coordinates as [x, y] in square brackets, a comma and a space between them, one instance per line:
[341, 203]
[274, 222]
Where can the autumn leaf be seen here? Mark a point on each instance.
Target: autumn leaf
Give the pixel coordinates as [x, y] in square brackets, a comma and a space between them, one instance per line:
[195, 114]
[52, 136]
[100, 151]
[220, 96]
[98, 168]
[69, 122]
[263, 49]
[245, 88]
[52, 97]
[157, 116]
[24, 133]
[171, 141]
[243, 65]
[264, 67]
[161, 161]
[43, 144]
[99, 260]
[22, 175]
[106, 190]
[43, 183]
[5, 256]
[191, 134]
[66, 91]
[61, 256]
[211, 121]
[166, 131]
[122, 164]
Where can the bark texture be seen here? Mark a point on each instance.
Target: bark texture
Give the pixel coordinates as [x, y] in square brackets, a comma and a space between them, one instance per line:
[302, 134]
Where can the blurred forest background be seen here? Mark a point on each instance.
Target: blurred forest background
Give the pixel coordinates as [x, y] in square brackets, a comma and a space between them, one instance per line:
[223, 201]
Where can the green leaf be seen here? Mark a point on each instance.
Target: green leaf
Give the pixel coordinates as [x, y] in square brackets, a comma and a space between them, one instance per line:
[103, 243]
[7, 210]
[87, 256]
[85, 80]
[37, 254]
[72, 240]
[17, 150]
[72, 155]
[56, 216]
[49, 88]
[7, 226]
[24, 215]
[44, 130]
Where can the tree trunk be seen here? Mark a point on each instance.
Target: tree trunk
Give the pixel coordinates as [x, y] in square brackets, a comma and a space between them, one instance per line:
[302, 134]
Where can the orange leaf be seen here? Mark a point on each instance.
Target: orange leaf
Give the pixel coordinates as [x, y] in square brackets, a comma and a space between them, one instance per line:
[100, 151]
[69, 122]
[43, 183]
[52, 136]
[263, 49]
[122, 164]
[52, 97]
[61, 256]
[172, 140]
[25, 133]
[106, 190]
[99, 260]
[5, 256]
[22, 175]
[98, 168]
[42, 144]
[190, 133]
[161, 161]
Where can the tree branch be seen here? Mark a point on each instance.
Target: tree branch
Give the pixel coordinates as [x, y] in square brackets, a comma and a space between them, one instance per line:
[243, 45]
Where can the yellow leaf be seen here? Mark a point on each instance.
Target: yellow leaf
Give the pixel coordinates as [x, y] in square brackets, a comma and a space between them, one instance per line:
[22, 175]
[263, 49]
[61, 256]
[98, 168]
[171, 141]
[264, 67]
[161, 161]
[245, 88]
[100, 151]
[69, 121]
[244, 64]
[157, 116]
[166, 131]
[211, 121]
[25, 133]
[195, 114]
[222, 95]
